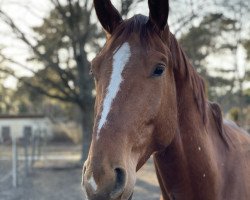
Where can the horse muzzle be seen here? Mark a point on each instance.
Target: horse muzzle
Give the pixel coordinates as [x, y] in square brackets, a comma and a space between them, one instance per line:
[103, 184]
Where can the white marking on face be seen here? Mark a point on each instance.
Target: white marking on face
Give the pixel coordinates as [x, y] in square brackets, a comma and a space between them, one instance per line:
[120, 59]
[92, 182]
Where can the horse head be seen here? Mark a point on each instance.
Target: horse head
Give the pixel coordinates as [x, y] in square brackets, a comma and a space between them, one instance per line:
[135, 87]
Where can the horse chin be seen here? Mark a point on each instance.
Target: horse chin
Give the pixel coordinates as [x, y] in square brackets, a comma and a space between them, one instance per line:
[127, 195]
[130, 198]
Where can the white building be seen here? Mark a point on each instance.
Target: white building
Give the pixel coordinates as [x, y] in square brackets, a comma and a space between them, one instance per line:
[24, 125]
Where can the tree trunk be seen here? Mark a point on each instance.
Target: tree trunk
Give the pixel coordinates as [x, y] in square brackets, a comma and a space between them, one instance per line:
[86, 99]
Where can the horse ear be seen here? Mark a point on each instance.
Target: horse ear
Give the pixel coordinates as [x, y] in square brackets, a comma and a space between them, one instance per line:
[107, 14]
[158, 13]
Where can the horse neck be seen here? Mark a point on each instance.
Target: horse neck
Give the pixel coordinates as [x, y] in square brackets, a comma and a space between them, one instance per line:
[186, 166]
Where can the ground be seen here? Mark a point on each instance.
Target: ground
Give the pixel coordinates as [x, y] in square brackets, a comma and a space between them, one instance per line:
[53, 178]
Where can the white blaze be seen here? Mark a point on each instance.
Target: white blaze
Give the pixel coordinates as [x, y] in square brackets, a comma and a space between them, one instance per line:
[120, 59]
[92, 182]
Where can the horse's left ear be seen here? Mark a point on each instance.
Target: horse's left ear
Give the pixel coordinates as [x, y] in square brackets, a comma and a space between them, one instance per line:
[158, 13]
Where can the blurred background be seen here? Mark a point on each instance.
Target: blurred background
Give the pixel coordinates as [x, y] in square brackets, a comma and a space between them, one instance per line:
[47, 94]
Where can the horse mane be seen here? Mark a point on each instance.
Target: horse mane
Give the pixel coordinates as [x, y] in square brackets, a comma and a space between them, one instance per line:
[183, 69]
[217, 114]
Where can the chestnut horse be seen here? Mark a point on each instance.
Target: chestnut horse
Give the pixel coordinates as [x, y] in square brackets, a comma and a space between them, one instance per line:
[151, 101]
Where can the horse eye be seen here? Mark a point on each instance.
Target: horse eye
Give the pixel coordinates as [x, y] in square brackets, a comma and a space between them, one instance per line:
[159, 69]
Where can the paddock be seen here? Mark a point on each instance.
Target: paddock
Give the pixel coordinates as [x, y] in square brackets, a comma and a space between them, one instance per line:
[56, 171]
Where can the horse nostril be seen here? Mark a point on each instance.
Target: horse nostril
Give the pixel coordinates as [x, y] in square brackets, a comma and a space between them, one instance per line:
[119, 184]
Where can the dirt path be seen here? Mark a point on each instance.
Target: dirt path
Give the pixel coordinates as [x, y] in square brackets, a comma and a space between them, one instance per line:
[64, 184]
[56, 179]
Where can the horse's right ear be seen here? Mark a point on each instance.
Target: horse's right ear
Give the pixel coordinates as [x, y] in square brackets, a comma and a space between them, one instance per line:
[107, 15]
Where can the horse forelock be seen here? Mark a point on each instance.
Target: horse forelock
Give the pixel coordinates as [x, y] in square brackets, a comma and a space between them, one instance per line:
[137, 24]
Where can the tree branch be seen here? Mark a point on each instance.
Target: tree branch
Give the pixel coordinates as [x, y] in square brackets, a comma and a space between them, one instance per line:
[64, 75]
[40, 89]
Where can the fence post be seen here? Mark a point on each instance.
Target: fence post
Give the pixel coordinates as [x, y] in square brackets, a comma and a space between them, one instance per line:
[14, 163]
[33, 151]
[39, 144]
[26, 156]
